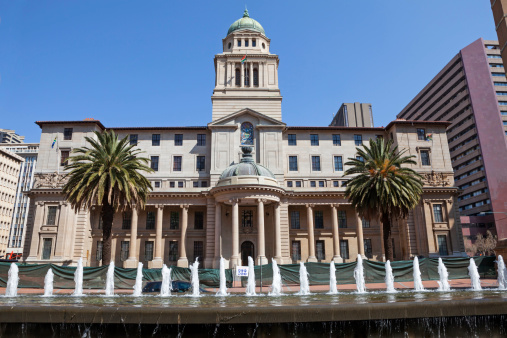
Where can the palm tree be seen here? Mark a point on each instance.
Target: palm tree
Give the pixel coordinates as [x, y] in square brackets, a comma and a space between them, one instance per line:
[108, 173]
[383, 187]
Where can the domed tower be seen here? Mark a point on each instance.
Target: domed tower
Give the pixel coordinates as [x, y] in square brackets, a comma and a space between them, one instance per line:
[246, 73]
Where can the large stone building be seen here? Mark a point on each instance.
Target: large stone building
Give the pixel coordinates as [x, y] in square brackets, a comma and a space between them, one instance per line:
[10, 136]
[471, 93]
[246, 184]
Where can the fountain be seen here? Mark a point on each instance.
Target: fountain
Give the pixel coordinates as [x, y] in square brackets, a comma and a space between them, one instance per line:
[110, 280]
[474, 276]
[502, 273]
[223, 287]
[48, 283]
[333, 290]
[138, 286]
[389, 278]
[359, 275]
[194, 269]
[443, 284]
[12, 281]
[78, 279]
[276, 286]
[165, 288]
[304, 285]
[250, 286]
[418, 285]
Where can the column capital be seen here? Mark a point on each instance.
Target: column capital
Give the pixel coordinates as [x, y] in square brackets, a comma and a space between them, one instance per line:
[184, 206]
[40, 204]
[310, 205]
[262, 200]
[159, 206]
[234, 200]
[335, 205]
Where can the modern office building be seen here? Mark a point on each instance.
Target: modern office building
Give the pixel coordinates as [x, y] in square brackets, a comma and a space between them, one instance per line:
[471, 93]
[10, 136]
[244, 184]
[27, 151]
[499, 8]
[9, 175]
[353, 115]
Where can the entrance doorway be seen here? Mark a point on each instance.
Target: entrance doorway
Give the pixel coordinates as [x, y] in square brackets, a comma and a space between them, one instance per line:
[247, 249]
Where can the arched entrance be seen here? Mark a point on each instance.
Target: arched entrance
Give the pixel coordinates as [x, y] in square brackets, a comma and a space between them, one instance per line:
[247, 249]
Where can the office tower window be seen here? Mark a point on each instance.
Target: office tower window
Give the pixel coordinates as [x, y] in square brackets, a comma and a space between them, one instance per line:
[368, 251]
[127, 220]
[337, 141]
[293, 163]
[47, 244]
[174, 220]
[437, 212]
[98, 254]
[64, 157]
[148, 251]
[154, 163]
[150, 220]
[358, 140]
[201, 140]
[342, 219]
[421, 134]
[296, 251]
[292, 139]
[315, 163]
[133, 139]
[314, 138]
[155, 139]
[51, 219]
[198, 250]
[294, 220]
[338, 163]
[173, 251]
[442, 245]
[201, 163]
[67, 134]
[425, 157]
[124, 250]
[178, 139]
[177, 163]
[319, 219]
[344, 248]
[320, 250]
[198, 220]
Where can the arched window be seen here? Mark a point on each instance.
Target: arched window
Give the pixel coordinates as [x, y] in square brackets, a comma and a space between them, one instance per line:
[256, 77]
[238, 77]
[247, 134]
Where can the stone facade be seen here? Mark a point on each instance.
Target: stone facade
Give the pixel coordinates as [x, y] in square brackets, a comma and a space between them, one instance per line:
[287, 204]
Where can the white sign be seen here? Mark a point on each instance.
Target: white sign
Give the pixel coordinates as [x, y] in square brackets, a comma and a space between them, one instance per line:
[242, 271]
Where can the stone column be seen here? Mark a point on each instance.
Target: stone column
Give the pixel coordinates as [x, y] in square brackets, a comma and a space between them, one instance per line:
[35, 253]
[278, 235]
[336, 235]
[133, 259]
[311, 236]
[235, 233]
[158, 261]
[360, 239]
[218, 232]
[242, 74]
[251, 73]
[428, 216]
[453, 229]
[261, 239]
[183, 260]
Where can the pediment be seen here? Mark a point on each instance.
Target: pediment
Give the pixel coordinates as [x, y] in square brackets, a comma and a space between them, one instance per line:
[246, 114]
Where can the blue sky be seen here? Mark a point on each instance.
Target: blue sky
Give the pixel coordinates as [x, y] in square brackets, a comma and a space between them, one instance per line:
[150, 63]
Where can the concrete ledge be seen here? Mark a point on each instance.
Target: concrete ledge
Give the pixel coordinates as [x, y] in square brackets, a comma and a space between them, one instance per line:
[241, 315]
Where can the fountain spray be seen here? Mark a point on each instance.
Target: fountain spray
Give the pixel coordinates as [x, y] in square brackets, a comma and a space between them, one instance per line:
[443, 284]
[474, 276]
[359, 275]
[333, 290]
[223, 286]
[165, 289]
[250, 286]
[110, 280]
[418, 285]
[194, 268]
[78, 279]
[276, 286]
[12, 281]
[502, 273]
[304, 285]
[389, 278]
[48, 283]
[138, 286]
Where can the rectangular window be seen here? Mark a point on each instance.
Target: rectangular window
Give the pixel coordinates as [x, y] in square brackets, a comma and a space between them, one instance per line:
[344, 248]
[246, 42]
[492, 56]
[315, 163]
[289, 184]
[296, 251]
[46, 248]
[442, 245]
[322, 184]
[298, 184]
[127, 220]
[313, 184]
[294, 220]
[342, 219]
[425, 157]
[239, 42]
[148, 251]
[421, 134]
[337, 141]
[171, 184]
[177, 163]
[320, 250]
[178, 139]
[154, 163]
[293, 163]
[157, 184]
[204, 184]
[314, 139]
[247, 219]
[155, 139]
[124, 252]
[173, 251]
[437, 212]
[198, 220]
[133, 139]
[64, 157]
[368, 251]
[358, 140]
[338, 163]
[292, 139]
[174, 220]
[360, 158]
[51, 219]
[98, 254]
[198, 250]
[254, 42]
[196, 184]
[319, 219]
[201, 163]
[150, 220]
[67, 134]
[201, 140]
[336, 184]
[366, 223]
[180, 184]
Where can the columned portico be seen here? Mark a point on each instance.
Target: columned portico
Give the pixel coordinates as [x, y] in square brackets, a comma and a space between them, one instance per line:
[183, 260]
[132, 260]
[311, 234]
[158, 261]
[235, 233]
[336, 235]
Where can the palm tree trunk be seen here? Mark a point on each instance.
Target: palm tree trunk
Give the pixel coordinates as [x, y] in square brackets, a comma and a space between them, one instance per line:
[107, 215]
[388, 244]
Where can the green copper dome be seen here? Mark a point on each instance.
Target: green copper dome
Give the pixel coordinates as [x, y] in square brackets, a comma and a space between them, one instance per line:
[246, 22]
[246, 167]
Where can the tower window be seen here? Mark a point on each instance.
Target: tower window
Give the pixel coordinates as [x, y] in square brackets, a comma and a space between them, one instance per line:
[238, 77]
[246, 42]
[256, 77]
[254, 42]
[247, 77]
[229, 46]
[263, 46]
[239, 43]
